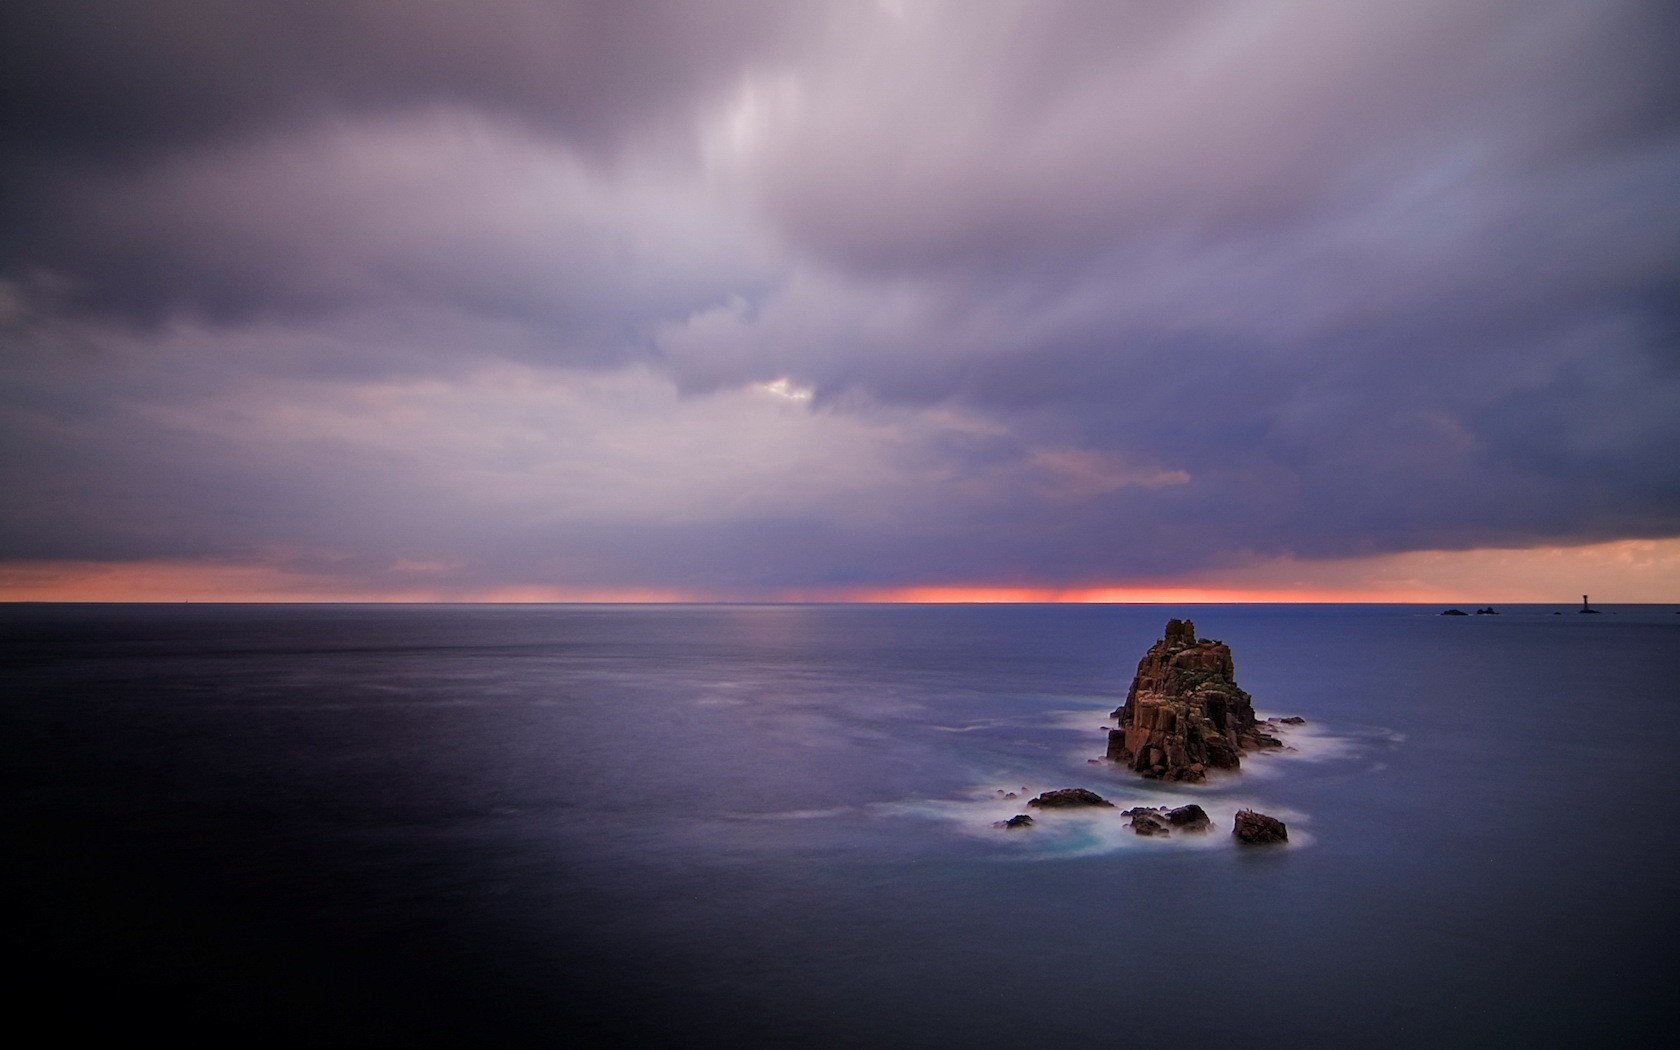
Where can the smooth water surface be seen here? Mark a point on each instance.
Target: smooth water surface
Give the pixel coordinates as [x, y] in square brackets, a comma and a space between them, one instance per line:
[772, 824]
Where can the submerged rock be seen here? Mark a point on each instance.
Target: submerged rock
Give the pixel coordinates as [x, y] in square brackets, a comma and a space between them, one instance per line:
[1064, 798]
[1184, 713]
[1019, 820]
[1256, 829]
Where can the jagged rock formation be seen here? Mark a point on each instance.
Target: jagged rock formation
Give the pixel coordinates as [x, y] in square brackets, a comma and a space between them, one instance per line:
[1019, 820]
[1063, 798]
[1257, 829]
[1184, 713]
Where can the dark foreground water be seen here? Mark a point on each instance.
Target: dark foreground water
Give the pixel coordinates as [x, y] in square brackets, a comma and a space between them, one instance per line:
[751, 825]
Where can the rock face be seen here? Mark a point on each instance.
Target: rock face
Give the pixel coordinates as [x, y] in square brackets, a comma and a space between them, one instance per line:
[1064, 798]
[1019, 820]
[1257, 829]
[1184, 713]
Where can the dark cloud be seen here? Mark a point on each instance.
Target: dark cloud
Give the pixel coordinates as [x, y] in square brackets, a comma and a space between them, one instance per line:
[126, 127]
[756, 296]
[112, 80]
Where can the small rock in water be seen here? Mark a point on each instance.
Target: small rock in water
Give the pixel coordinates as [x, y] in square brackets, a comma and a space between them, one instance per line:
[1063, 798]
[1455, 612]
[1293, 720]
[1149, 824]
[1189, 818]
[1019, 820]
[1255, 829]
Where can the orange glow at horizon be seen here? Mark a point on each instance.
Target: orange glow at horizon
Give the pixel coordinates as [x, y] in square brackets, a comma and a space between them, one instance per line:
[1618, 571]
[192, 581]
[984, 595]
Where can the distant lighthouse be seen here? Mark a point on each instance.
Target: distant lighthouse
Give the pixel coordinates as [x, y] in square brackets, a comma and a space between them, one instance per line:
[1586, 608]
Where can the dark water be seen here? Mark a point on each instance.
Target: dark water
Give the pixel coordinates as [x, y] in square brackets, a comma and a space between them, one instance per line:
[752, 825]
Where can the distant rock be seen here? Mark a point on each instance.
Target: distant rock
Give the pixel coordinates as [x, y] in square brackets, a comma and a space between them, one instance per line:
[1455, 612]
[1019, 820]
[1489, 611]
[1067, 798]
[1184, 713]
[1293, 720]
[1257, 829]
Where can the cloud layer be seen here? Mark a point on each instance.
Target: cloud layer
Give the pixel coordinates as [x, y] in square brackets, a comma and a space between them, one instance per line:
[770, 298]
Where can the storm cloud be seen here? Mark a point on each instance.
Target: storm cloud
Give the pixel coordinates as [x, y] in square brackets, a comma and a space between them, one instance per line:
[763, 299]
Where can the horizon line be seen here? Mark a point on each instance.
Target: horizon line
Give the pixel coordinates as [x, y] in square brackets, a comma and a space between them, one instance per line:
[796, 602]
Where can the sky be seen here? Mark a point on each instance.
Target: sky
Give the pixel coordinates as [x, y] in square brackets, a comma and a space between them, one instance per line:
[889, 300]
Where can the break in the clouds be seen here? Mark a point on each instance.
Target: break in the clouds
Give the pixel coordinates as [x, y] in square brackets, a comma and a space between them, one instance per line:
[759, 299]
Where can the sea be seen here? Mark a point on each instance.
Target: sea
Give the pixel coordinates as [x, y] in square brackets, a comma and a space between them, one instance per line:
[773, 825]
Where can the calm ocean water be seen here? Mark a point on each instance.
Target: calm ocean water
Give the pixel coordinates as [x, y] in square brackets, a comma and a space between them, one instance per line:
[771, 824]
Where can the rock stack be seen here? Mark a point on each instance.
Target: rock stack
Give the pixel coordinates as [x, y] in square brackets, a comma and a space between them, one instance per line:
[1184, 713]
